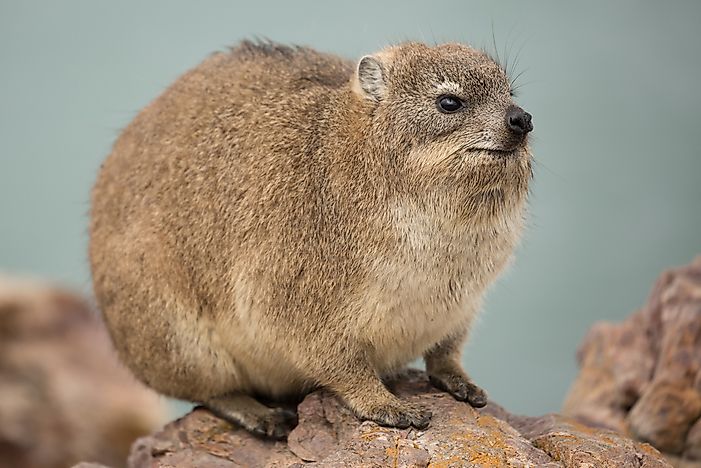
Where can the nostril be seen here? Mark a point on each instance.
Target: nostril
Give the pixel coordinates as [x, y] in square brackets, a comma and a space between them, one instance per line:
[517, 123]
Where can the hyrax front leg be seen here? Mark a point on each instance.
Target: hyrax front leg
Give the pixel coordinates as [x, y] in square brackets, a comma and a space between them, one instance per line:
[365, 394]
[244, 410]
[445, 372]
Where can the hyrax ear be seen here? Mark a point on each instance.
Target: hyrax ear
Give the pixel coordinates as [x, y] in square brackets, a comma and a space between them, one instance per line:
[371, 78]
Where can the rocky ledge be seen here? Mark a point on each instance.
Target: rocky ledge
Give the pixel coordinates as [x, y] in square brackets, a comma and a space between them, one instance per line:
[640, 383]
[328, 435]
[642, 376]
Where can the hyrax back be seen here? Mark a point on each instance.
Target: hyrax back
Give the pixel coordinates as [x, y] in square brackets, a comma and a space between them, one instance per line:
[280, 219]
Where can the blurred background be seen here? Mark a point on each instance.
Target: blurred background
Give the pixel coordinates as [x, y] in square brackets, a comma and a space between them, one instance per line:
[613, 88]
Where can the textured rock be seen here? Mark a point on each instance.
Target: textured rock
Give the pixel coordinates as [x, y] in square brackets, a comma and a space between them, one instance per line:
[328, 435]
[643, 377]
[63, 396]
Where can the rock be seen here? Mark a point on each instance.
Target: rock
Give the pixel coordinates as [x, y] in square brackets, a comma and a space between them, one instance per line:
[328, 435]
[90, 465]
[63, 395]
[643, 377]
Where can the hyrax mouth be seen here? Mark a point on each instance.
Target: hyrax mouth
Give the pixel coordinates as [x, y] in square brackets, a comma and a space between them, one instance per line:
[497, 153]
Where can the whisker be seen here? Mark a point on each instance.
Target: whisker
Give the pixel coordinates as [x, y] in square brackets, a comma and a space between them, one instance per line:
[494, 45]
[540, 164]
[521, 85]
[518, 55]
[513, 80]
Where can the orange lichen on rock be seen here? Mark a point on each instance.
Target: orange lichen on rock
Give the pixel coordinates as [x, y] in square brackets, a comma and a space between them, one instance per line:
[329, 435]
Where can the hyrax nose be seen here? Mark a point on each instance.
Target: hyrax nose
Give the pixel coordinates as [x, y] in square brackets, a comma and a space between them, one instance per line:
[518, 120]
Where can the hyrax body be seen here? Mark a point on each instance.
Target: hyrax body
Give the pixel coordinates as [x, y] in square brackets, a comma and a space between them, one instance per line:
[281, 220]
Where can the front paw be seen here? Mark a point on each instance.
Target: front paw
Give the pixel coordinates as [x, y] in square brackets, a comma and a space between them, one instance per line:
[460, 387]
[276, 424]
[398, 414]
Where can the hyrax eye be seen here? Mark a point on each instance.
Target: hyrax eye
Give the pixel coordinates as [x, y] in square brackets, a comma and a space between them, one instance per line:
[449, 104]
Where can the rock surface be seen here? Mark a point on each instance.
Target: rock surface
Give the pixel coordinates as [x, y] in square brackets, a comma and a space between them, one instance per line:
[642, 377]
[639, 379]
[63, 395]
[328, 435]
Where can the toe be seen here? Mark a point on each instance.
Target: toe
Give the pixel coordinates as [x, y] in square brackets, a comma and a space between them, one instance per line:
[422, 419]
[260, 429]
[476, 397]
[401, 421]
[279, 432]
[281, 423]
[460, 391]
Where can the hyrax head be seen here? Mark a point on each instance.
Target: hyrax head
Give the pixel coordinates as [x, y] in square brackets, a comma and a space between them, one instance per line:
[450, 109]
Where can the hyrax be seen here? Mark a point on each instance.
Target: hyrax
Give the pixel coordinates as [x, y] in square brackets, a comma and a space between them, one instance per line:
[281, 220]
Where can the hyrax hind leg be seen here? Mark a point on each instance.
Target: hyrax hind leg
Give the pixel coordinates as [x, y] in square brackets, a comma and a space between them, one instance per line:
[361, 389]
[244, 410]
[446, 373]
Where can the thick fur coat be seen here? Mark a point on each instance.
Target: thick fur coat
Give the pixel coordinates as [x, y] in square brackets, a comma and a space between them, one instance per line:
[282, 219]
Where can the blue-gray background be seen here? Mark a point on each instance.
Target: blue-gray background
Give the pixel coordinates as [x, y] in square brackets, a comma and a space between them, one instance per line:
[613, 87]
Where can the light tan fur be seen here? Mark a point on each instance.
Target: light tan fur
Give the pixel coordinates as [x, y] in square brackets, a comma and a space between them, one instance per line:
[279, 220]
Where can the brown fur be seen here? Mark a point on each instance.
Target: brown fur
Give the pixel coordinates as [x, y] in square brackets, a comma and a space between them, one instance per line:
[278, 220]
